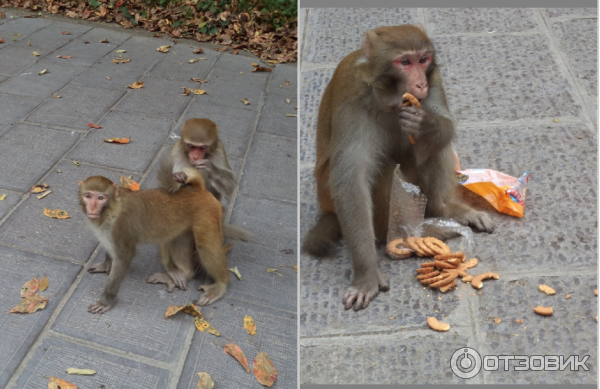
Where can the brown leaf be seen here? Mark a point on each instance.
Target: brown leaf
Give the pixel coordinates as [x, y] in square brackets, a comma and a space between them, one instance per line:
[296, 268]
[254, 64]
[30, 287]
[86, 14]
[30, 304]
[39, 188]
[235, 351]
[56, 213]
[287, 83]
[2, 15]
[136, 85]
[249, 325]
[86, 42]
[222, 49]
[43, 284]
[116, 61]
[264, 370]
[203, 325]
[199, 50]
[234, 52]
[63, 56]
[272, 61]
[190, 309]
[2, 40]
[163, 49]
[56, 96]
[128, 183]
[199, 80]
[245, 101]
[65, 32]
[175, 33]
[204, 381]
[126, 60]
[262, 69]
[118, 140]
[28, 43]
[105, 40]
[96, 126]
[57, 383]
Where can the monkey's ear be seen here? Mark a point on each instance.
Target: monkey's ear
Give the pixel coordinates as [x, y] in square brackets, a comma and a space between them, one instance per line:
[370, 38]
[79, 183]
[116, 187]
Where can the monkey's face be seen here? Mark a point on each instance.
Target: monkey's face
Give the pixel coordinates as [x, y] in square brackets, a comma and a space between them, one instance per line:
[411, 69]
[96, 194]
[196, 151]
[94, 203]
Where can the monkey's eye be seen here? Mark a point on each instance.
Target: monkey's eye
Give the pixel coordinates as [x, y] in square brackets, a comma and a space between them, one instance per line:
[405, 61]
[100, 197]
[203, 148]
[423, 59]
[88, 196]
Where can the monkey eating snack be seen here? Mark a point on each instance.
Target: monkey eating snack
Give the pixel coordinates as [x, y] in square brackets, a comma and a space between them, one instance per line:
[408, 101]
[121, 219]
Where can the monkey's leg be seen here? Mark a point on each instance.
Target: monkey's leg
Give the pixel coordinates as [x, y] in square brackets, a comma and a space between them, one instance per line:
[176, 257]
[103, 267]
[381, 202]
[118, 272]
[213, 259]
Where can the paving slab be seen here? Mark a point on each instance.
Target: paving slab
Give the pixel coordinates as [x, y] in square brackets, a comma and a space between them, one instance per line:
[284, 81]
[24, 26]
[228, 87]
[29, 83]
[69, 238]
[15, 60]
[175, 65]
[53, 356]
[19, 331]
[23, 167]
[51, 38]
[274, 120]
[78, 106]
[271, 175]
[274, 334]
[105, 73]
[11, 199]
[13, 108]
[442, 21]
[136, 323]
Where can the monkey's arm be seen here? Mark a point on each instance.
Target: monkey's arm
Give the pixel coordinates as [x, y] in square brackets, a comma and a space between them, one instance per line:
[223, 178]
[180, 162]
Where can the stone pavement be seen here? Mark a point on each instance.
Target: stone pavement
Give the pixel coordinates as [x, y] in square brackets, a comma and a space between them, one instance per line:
[508, 74]
[132, 345]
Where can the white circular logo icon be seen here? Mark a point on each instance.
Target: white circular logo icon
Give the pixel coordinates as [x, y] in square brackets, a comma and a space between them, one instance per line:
[465, 363]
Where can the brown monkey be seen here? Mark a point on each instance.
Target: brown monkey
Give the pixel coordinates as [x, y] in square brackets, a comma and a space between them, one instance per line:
[121, 219]
[199, 148]
[363, 132]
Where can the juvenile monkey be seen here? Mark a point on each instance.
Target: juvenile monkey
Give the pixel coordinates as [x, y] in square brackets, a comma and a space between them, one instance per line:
[199, 148]
[363, 132]
[121, 219]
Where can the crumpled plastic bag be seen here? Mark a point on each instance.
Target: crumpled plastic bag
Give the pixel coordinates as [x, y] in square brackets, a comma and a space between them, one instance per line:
[503, 192]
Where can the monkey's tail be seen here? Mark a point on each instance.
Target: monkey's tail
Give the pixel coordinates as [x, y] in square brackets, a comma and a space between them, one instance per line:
[165, 173]
[321, 240]
[194, 178]
[237, 233]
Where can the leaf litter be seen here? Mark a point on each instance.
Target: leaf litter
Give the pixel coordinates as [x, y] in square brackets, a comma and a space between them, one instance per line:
[31, 301]
[193, 310]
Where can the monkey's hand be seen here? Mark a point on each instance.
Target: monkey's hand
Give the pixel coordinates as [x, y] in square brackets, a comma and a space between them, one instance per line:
[202, 164]
[363, 290]
[180, 177]
[411, 119]
[211, 293]
[103, 267]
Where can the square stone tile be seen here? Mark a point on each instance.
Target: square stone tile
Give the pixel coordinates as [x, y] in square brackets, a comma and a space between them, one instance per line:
[271, 175]
[558, 12]
[30, 83]
[19, 331]
[503, 86]
[14, 60]
[275, 335]
[87, 54]
[175, 65]
[78, 106]
[229, 88]
[158, 97]
[106, 74]
[283, 74]
[11, 199]
[147, 135]
[333, 33]
[27, 152]
[51, 38]
[68, 238]
[273, 119]
[137, 322]
[235, 125]
[13, 108]
[53, 354]
[441, 21]
[579, 41]
[24, 26]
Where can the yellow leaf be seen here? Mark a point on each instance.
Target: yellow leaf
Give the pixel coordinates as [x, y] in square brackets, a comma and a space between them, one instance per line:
[43, 284]
[125, 60]
[36, 53]
[288, 101]
[30, 287]
[271, 270]
[43, 72]
[249, 325]
[555, 120]
[204, 381]
[3, 197]
[39, 188]
[56, 213]
[291, 115]
[75, 163]
[235, 271]
[296, 268]
[72, 370]
[193, 60]
[136, 85]
[203, 325]
[245, 101]
[164, 49]
[121, 51]
[44, 195]
[190, 309]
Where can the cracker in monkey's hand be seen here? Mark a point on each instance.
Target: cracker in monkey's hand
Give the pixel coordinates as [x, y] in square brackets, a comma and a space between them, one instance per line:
[409, 99]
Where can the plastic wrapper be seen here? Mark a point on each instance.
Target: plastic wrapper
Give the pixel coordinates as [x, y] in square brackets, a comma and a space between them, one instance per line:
[503, 192]
[407, 217]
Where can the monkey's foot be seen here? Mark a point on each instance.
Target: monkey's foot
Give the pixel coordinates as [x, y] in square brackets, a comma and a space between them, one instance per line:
[211, 293]
[103, 267]
[99, 307]
[179, 278]
[162, 278]
[359, 297]
[478, 220]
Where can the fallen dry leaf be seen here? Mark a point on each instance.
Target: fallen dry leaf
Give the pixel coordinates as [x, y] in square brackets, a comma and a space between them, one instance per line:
[287, 83]
[72, 370]
[57, 383]
[164, 49]
[204, 326]
[288, 101]
[249, 325]
[28, 43]
[30, 287]
[125, 60]
[199, 80]
[63, 56]
[39, 188]
[193, 60]
[44, 195]
[291, 115]
[272, 61]
[136, 85]
[227, 247]
[199, 50]
[36, 53]
[520, 321]
[254, 64]
[75, 163]
[271, 270]
[190, 309]
[222, 49]
[128, 183]
[43, 285]
[204, 381]
[264, 370]
[65, 33]
[3, 197]
[187, 91]
[234, 52]
[118, 140]
[235, 351]
[121, 51]
[2, 40]
[43, 72]
[245, 101]
[92, 125]
[56, 213]
[497, 320]
[105, 40]
[235, 271]
[568, 296]
[296, 268]
[86, 42]
[2, 15]
[262, 69]
[56, 96]
[30, 304]
[116, 61]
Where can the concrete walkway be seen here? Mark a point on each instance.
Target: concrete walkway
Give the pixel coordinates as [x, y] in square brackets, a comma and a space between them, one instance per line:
[132, 345]
[522, 84]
